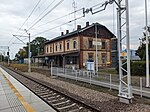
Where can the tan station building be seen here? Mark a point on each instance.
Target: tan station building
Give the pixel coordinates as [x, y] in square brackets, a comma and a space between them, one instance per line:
[77, 47]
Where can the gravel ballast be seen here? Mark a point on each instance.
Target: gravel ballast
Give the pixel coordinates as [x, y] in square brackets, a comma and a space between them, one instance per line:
[103, 101]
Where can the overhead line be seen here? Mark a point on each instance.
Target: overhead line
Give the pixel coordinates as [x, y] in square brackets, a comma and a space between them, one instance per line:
[44, 11]
[59, 18]
[45, 15]
[26, 19]
[58, 26]
[30, 14]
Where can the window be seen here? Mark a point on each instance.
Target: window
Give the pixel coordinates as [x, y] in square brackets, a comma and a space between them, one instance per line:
[68, 45]
[60, 46]
[71, 60]
[50, 48]
[56, 47]
[90, 43]
[103, 45]
[47, 49]
[90, 56]
[103, 58]
[74, 44]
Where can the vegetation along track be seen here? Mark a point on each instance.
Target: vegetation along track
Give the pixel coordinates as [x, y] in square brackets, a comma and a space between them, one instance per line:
[59, 101]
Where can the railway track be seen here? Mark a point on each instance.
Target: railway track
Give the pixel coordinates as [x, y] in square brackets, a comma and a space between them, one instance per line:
[59, 101]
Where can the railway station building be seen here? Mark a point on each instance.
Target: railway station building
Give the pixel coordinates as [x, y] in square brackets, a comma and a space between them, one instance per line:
[76, 48]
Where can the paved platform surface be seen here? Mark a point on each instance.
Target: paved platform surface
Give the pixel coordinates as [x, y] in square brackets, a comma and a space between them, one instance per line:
[15, 97]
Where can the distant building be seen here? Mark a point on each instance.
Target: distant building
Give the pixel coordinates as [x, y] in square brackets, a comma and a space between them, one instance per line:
[77, 47]
[133, 55]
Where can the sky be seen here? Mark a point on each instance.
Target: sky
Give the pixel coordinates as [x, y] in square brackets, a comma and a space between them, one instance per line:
[13, 13]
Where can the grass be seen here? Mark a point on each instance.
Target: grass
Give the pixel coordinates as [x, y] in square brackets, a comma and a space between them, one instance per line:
[108, 71]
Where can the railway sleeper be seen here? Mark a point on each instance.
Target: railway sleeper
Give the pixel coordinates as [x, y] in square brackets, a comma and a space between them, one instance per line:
[47, 96]
[66, 106]
[43, 93]
[57, 100]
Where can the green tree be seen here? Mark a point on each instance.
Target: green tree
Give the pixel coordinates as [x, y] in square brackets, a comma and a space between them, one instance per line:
[37, 46]
[21, 54]
[141, 52]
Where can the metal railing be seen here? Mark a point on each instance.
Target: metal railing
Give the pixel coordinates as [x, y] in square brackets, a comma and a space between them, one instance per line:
[90, 77]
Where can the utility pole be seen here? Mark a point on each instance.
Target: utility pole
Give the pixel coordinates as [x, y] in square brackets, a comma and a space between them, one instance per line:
[29, 54]
[29, 70]
[74, 5]
[147, 42]
[96, 49]
[125, 89]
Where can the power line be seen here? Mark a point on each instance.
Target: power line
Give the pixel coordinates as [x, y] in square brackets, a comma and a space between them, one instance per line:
[26, 19]
[45, 15]
[30, 14]
[58, 26]
[44, 11]
[59, 17]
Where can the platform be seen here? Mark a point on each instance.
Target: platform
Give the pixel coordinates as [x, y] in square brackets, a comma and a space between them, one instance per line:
[15, 97]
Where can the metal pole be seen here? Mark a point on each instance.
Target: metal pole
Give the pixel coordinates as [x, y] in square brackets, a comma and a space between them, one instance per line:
[119, 45]
[96, 48]
[51, 68]
[110, 81]
[29, 66]
[1, 57]
[141, 86]
[147, 55]
[8, 55]
[90, 76]
[128, 51]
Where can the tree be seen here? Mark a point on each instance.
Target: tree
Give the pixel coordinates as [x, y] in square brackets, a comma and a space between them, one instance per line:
[37, 46]
[21, 54]
[141, 52]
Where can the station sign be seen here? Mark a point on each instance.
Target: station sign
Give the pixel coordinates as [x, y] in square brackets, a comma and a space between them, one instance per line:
[98, 43]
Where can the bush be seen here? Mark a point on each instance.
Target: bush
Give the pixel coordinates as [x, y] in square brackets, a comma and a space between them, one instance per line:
[138, 68]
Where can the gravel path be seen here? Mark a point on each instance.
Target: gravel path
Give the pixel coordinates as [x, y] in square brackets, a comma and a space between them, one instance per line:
[104, 101]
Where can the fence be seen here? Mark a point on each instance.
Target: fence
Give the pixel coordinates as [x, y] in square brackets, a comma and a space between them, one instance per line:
[82, 75]
[104, 80]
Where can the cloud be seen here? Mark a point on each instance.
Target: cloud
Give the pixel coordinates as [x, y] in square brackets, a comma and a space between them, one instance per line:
[14, 12]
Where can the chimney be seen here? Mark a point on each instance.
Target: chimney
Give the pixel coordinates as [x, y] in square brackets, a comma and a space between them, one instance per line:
[62, 33]
[67, 31]
[87, 23]
[78, 27]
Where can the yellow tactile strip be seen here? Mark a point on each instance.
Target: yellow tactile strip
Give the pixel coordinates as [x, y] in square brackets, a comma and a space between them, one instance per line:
[20, 97]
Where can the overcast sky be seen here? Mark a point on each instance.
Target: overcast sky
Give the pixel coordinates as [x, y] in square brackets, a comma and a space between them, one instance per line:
[13, 13]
